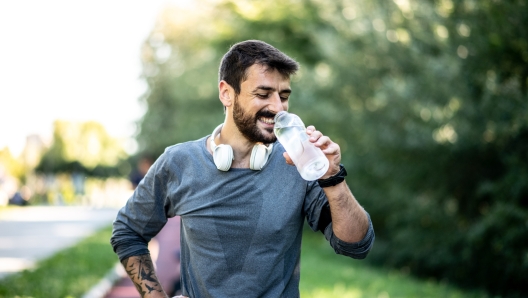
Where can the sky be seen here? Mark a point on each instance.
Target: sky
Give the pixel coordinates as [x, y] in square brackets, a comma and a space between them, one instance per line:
[72, 60]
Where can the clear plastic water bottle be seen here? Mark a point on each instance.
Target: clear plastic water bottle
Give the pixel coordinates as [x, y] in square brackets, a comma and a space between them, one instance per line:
[310, 161]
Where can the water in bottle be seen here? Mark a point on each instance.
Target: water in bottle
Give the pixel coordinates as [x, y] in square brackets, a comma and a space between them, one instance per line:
[310, 161]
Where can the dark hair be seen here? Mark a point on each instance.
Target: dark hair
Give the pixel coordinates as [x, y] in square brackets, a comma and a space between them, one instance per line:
[241, 56]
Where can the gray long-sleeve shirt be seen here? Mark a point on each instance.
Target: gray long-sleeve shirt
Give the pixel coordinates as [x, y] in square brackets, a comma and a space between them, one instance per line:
[240, 230]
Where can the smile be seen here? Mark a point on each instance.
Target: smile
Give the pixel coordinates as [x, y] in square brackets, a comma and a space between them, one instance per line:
[270, 121]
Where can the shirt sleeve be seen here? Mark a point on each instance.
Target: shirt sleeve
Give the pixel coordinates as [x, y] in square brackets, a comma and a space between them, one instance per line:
[144, 214]
[356, 250]
[315, 204]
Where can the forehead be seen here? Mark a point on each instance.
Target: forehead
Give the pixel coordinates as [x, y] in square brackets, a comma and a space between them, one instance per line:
[260, 75]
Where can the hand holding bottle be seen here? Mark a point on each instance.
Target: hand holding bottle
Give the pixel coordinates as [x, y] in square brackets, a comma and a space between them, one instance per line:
[308, 149]
[330, 149]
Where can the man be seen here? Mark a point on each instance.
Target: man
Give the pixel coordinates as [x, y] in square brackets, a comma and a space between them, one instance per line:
[242, 205]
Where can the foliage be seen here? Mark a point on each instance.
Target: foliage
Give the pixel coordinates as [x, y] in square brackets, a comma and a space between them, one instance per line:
[427, 99]
[83, 147]
[9, 165]
[70, 273]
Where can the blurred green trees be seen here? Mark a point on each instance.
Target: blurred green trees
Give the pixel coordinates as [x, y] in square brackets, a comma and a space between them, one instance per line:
[84, 147]
[9, 165]
[428, 100]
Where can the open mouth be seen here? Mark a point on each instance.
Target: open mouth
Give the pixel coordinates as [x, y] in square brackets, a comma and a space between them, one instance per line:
[270, 121]
[266, 117]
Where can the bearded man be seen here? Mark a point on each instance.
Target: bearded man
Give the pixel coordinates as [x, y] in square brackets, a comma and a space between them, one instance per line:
[241, 203]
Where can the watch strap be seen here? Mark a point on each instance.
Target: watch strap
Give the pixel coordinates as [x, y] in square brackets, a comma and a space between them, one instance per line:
[334, 180]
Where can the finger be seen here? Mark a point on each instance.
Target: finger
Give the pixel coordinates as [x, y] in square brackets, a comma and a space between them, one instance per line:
[321, 141]
[288, 158]
[315, 136]
[331, 149]
[313, 133]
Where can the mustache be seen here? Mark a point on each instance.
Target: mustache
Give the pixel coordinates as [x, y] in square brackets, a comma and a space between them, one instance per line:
[265, 114]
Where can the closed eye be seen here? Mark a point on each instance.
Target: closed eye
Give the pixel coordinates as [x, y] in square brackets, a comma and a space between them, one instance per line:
[285, 95]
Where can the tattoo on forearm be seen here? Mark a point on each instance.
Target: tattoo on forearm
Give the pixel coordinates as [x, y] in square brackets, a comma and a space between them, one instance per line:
[140, 269]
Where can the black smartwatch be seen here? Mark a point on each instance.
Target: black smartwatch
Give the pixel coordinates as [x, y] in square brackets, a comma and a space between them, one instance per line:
[334, 180]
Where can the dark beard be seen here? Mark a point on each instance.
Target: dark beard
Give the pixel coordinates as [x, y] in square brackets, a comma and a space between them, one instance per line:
[247, 124]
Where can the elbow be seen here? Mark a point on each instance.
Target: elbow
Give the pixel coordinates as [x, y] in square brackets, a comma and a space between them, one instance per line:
[125, 242]
[356, 250]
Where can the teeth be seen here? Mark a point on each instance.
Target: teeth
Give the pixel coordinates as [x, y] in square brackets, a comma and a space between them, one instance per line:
[268, 120]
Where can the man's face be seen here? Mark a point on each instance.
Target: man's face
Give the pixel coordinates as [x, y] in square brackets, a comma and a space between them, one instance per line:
[262, 96]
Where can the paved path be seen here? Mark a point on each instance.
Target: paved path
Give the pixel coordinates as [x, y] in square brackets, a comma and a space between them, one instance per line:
[165, 250]
[29, 234]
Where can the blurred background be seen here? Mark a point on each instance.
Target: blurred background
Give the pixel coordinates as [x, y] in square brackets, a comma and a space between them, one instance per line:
[427, 99]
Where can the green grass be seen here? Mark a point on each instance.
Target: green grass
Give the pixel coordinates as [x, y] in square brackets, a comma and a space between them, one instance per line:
[69, 273]
[327, 275]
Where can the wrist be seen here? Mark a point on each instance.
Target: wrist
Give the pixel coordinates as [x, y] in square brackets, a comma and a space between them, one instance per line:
[334, 180]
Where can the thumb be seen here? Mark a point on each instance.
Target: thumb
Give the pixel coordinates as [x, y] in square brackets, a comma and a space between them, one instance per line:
[288, 158]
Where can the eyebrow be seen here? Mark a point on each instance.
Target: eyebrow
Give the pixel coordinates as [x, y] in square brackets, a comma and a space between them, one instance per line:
[267, 88]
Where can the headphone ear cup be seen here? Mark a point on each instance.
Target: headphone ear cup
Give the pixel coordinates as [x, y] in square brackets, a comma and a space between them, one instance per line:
[223, 157]
[259, 156]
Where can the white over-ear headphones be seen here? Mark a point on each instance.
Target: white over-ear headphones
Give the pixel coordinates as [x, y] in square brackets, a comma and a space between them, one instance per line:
[223, 154]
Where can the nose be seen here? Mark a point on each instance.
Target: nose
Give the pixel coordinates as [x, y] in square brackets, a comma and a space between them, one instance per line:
[276, 104]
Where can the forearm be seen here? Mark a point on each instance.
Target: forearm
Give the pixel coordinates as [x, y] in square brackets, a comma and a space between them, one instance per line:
[349, 220]
[140, 269]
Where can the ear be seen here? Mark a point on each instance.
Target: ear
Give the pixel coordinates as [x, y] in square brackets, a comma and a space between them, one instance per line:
[226, 93]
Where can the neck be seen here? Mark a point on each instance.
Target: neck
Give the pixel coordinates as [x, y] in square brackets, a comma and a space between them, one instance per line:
[230, 135]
